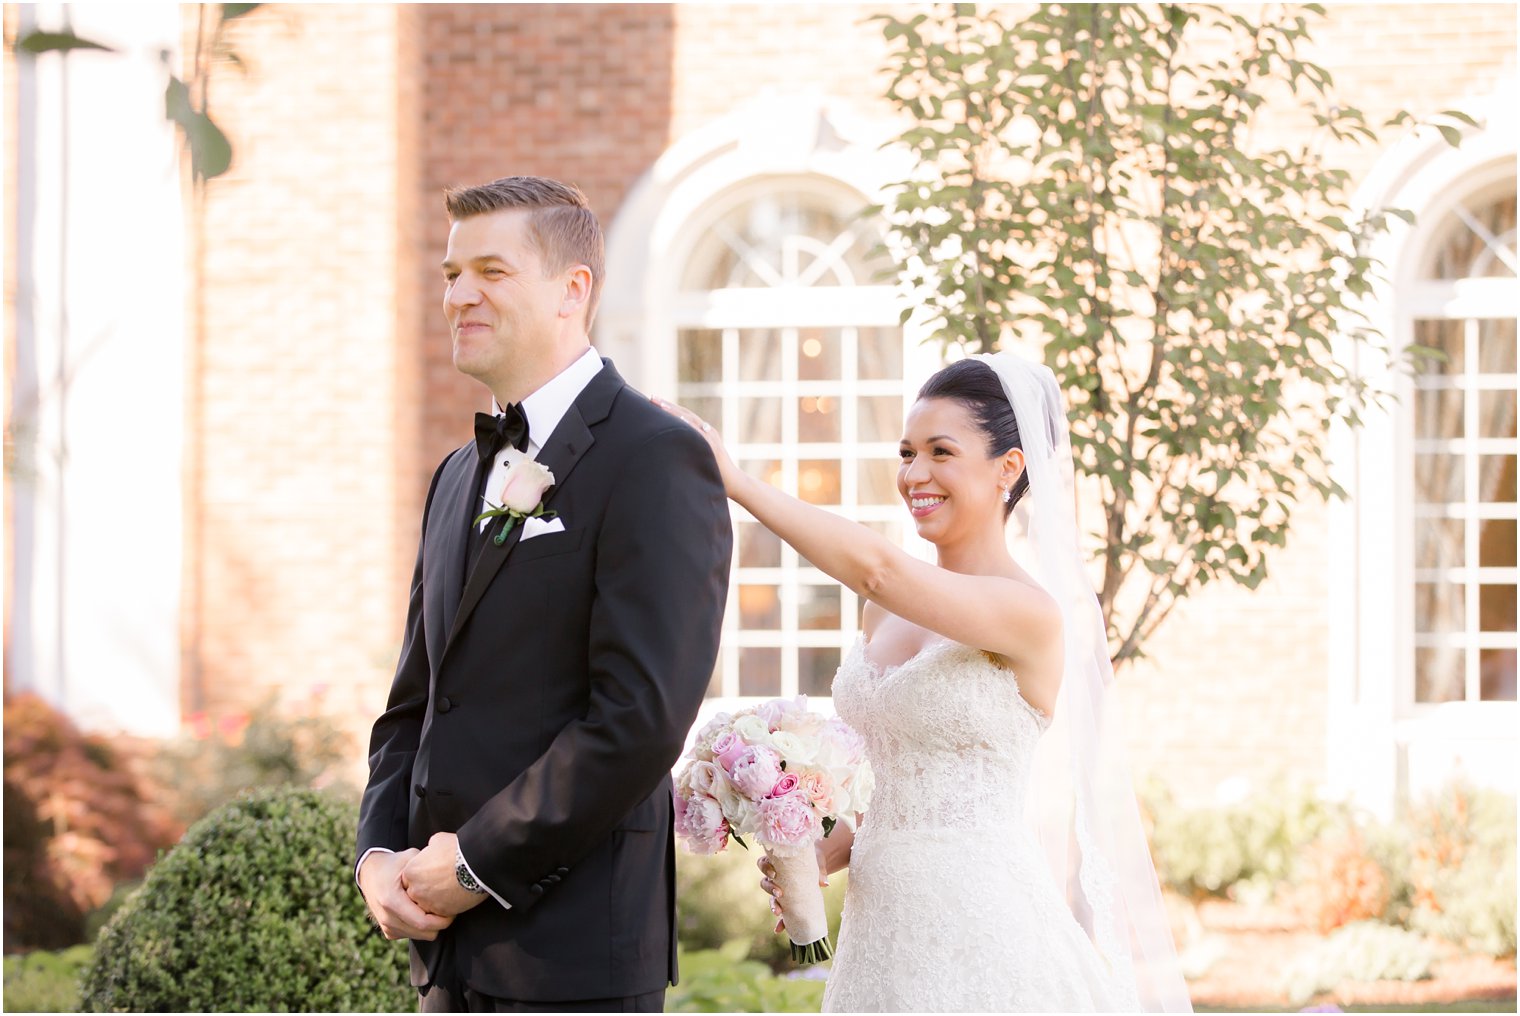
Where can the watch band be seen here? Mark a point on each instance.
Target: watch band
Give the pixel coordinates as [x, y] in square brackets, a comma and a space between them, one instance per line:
[462, 873]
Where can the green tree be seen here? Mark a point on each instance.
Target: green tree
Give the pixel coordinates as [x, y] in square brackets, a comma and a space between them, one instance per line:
[1091, 180]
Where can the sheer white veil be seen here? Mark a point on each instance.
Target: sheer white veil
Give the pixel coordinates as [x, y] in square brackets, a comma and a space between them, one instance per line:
[1082, 803]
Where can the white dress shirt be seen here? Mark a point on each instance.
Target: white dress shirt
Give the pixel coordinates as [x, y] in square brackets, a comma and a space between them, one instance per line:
[544, 409]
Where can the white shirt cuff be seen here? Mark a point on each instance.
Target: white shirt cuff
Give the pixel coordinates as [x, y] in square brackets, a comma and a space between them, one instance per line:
[459, 852]
[364, 857]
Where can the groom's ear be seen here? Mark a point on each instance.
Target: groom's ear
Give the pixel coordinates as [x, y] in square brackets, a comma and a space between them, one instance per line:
[578, 282]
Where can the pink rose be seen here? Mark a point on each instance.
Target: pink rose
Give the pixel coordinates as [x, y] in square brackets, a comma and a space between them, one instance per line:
[776, 710]
[727, 749]
[818, 788]
[787, 783]
[526, 484]
[755, 771]
[788, 821]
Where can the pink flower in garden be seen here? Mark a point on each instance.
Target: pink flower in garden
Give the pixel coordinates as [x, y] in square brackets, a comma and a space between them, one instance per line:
[788, 821]
[755, 771]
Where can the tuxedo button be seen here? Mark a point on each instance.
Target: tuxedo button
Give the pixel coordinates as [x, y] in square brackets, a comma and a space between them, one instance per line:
[562, 871]
[536, 890]
[444, 705]
[553, 878]
[421, 790]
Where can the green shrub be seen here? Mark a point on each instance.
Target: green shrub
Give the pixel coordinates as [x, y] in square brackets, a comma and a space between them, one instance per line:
[719, 901]
[255, 909]
[725, 980]
[1461, 868]
[1364, 951]
[217, 759]
[1212, 850]
[45, 981]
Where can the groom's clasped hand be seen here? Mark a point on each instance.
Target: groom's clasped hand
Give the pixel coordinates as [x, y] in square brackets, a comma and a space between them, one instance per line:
[418, 894]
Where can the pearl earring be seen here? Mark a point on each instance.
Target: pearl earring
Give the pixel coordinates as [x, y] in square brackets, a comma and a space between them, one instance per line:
[1007, 494]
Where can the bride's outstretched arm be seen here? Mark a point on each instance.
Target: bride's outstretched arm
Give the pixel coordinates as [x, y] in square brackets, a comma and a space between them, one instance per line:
[990, 612]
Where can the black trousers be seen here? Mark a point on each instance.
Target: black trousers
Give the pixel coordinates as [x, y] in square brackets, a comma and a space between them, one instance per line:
[437, 998]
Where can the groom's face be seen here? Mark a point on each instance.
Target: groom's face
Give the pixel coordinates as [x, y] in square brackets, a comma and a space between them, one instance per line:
[501, 306]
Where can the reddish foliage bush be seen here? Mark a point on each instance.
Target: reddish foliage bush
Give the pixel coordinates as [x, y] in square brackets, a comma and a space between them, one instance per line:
[1340, 883]
[76, 824]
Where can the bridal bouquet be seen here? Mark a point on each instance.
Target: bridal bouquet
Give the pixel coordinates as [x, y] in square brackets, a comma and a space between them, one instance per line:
[784, 776]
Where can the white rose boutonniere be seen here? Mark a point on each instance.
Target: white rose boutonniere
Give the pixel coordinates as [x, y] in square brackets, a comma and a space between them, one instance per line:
[522, 497]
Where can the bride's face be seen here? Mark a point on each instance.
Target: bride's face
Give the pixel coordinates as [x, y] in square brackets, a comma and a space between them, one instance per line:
[945, 477]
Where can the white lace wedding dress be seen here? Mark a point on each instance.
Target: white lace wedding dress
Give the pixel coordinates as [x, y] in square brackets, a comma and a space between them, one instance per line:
[950, 905]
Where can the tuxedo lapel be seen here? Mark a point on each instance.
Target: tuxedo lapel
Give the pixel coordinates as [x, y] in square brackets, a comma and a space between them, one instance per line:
[570, 441]
[453, 505]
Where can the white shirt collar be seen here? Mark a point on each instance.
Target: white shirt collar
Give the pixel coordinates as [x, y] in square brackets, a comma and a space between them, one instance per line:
[547, 406]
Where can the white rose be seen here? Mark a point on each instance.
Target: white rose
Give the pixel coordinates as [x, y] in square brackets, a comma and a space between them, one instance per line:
[527, 481]
[797, 751]
[752, 730]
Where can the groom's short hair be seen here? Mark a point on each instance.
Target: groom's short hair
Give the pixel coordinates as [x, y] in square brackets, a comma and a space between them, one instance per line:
[561, 225]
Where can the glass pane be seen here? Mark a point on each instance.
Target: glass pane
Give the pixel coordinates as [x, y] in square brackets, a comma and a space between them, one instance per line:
[1496, 414]
[816, 669]
[760, 421]
[715, 686]
[759, 354]
[760, 607]
[881, 418]
[818, 356]
[1438, 413]
[1496, 675]
[880, 355]
[709, 409]
[877, 481]
[1496, 543]
[818, 608]
[1496, 346]
[1496, 607]
[1437, 478]
[1444, 336]
[818, 418]
[760, 672]
[1438, 674]
[1470, 241]
[893, 531]
[1438, 543]
[1496, 478]
[818, 481]
[758, 546]
[768, 470]
[700, 355]
[1438, 607]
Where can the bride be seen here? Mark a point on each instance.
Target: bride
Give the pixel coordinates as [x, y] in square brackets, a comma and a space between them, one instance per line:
[1002, 866]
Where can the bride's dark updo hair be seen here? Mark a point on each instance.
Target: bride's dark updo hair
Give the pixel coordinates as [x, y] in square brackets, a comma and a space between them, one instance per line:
[975, 385]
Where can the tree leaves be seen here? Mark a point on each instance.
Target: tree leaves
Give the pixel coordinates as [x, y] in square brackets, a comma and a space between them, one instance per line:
[1085, 177]
[210, 150]
[36, 43]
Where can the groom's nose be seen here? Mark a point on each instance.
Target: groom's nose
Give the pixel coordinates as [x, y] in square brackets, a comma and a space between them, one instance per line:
[463, 293]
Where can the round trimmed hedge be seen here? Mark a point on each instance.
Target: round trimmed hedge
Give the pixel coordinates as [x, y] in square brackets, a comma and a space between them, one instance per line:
[254, 910]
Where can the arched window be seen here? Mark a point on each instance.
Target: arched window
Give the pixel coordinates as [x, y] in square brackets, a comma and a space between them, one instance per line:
[1463, 445]
[787, 338]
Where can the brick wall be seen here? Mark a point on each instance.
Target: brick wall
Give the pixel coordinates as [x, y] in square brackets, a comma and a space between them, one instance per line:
[322, 317]
[301, 555]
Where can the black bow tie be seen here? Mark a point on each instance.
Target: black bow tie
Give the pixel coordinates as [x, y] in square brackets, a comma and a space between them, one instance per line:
[492, 432]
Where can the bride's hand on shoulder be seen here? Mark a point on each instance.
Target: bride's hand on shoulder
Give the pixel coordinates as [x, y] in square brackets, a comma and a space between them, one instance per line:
[730, 472]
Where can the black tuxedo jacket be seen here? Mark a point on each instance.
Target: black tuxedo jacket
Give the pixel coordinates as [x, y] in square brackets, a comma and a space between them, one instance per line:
[541, 700]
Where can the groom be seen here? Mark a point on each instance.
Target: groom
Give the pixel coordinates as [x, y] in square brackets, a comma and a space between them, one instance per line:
[517, 822]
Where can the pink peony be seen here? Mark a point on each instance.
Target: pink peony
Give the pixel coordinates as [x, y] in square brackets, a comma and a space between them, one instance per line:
[756, 771]
[776, 710]
[788, 821]
[703, 825]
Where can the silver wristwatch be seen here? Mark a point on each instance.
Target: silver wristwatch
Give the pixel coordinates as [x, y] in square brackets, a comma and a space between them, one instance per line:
[462, 873]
